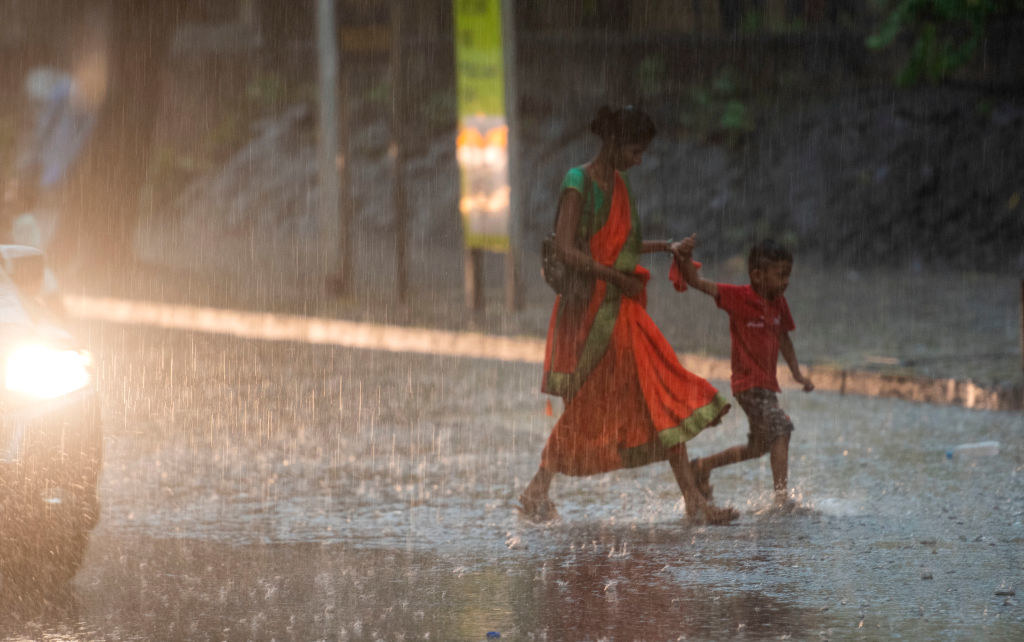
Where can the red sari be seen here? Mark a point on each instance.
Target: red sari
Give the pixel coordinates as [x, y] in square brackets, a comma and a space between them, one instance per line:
[627, 398]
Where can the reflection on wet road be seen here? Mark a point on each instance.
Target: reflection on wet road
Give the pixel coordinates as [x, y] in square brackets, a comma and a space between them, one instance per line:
[257, 490]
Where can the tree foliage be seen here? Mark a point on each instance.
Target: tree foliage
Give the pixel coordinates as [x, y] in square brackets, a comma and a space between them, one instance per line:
[944, 34]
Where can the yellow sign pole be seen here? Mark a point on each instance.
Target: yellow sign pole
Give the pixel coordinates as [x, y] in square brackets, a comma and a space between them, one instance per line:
[482, 144]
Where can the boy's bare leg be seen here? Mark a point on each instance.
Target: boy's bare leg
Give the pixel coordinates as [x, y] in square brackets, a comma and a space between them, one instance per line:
[732, 455]
[780, 468]
[702, 466]
[697, 505]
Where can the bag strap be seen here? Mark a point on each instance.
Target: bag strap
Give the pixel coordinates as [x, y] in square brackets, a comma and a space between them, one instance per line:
[587, 217]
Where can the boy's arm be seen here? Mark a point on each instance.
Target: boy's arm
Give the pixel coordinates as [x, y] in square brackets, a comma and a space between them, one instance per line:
[682, 254]
[789, 354]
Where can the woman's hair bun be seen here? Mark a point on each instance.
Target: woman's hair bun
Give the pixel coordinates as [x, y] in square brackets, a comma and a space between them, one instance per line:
[627, 125]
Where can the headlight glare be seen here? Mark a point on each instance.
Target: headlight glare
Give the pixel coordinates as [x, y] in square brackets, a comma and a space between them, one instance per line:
[45, 372]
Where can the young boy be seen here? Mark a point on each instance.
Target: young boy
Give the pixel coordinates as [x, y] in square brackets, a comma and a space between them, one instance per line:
[759, 327]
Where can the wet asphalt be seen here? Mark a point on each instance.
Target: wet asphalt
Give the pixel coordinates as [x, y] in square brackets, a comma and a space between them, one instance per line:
[276, 490]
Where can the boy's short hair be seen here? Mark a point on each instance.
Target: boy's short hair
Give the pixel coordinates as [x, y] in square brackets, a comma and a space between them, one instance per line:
[765, 252]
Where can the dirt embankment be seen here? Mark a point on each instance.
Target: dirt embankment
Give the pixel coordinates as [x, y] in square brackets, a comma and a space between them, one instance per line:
[899, 198]
[927, 177]
[922, 179]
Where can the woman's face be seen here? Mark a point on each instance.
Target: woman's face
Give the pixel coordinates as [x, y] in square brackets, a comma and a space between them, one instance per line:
[629, 155]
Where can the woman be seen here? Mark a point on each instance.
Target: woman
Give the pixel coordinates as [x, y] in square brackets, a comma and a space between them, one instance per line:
[628, 401]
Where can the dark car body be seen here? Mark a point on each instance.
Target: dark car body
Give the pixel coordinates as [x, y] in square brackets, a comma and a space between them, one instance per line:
[50, 431]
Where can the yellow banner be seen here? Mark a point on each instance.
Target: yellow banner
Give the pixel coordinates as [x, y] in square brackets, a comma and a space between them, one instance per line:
[482, 142]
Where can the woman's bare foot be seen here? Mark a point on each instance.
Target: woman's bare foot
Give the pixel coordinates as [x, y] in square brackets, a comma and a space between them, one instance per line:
[537, 508]
[708, 513]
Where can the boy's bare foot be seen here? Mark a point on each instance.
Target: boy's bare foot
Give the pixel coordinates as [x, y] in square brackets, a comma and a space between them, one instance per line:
[714, 515]
[702, 478]
[537, 509]
[783, 504]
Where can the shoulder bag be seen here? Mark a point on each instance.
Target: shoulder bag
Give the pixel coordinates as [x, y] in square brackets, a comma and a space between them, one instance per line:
[568, 281]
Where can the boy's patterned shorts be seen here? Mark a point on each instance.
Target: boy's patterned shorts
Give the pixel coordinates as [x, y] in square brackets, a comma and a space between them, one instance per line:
[767, 419]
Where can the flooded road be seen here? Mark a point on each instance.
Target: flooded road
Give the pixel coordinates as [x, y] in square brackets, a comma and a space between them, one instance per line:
[257, 490]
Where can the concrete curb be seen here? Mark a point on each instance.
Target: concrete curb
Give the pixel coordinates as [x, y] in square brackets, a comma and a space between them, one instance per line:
[939, 391]
[281, 327]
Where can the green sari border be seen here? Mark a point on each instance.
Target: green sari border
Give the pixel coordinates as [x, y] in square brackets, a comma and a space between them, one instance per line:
[657, 450]
[695, 423]
[567, 384]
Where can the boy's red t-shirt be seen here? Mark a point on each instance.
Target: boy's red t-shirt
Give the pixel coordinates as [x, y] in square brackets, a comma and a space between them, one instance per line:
[754, 327]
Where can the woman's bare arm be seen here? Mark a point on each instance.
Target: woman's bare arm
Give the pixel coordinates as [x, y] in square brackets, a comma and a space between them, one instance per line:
[655, 246]
[570, 209]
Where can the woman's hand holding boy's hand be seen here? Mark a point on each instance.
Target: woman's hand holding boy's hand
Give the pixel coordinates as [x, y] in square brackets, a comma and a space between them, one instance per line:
[683, 250]
[679, 252]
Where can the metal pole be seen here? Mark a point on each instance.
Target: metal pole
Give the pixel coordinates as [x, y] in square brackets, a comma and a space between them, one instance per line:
[473, 272]
[327, 146]
[513, 260]
[399, 112]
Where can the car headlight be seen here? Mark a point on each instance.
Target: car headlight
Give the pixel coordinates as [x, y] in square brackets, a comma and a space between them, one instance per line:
[46, 372]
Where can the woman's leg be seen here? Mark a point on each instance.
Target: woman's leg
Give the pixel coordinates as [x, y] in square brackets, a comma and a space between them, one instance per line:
[540, 484]
[697, 506]
[534, 502]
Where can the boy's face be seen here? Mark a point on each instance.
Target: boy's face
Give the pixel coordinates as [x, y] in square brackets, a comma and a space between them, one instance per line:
[771, 280]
